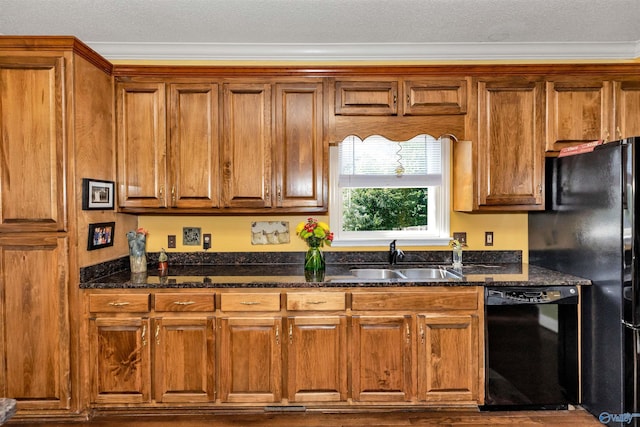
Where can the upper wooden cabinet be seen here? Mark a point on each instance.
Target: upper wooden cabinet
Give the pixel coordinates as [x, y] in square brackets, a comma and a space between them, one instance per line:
[141, 145]
[178, 170]
[579, 110]
[234, 146]
[626, 94]
[417, 97]
[246, 146]
[504, 170]
[300, 152]
[32, 143]
[193, 145]
[583, 109]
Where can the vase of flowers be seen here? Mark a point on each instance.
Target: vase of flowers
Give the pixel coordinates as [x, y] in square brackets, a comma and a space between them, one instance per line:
[137, 250]
[456, 254]
[315, 233]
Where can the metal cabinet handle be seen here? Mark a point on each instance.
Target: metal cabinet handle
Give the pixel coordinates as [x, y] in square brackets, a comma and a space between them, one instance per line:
[184, 302]
[316, 302]
[408, 334]
[290, 334]
[279, 193]
[277, 335]
[144, 335]
[119, 304]
[250, 302]
[421, 334]
[173, 195]
[161, 194]
[157, 334]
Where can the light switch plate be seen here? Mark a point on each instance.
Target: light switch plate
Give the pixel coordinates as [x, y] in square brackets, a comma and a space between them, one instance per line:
[206, 241]
[171, 241]
[488, 238]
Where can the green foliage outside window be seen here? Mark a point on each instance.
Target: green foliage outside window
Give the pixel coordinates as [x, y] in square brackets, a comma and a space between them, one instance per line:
[373, 209]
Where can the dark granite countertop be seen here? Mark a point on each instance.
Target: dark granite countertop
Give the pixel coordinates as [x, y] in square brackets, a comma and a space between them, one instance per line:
[292, 276]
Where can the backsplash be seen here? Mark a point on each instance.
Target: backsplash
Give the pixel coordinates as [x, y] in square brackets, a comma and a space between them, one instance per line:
[269, 258]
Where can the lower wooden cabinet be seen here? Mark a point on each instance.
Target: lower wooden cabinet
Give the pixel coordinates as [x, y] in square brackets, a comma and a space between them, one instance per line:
[184, 360]
[382, 358]
[286, 347]
[448, 358]
[34, 322]
[317, 358]
[250, 359]
[121, 360]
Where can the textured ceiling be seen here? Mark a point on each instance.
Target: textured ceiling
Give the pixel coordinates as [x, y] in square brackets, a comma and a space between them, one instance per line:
[336, 29]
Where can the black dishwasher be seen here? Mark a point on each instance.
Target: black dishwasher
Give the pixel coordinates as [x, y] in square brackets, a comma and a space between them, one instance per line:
[531, 347]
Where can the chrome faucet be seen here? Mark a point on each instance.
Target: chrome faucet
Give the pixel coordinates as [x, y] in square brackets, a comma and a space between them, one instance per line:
[395, 255]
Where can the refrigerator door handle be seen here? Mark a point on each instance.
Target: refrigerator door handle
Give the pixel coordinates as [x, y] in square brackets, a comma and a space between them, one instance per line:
[631, 326]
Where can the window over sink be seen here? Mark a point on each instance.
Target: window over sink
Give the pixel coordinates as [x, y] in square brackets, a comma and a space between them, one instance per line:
[383, 190]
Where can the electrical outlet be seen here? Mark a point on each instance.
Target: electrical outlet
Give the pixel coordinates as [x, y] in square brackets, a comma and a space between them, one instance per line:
[206, 241]
[171, 241]
[488, 238]
[461, 237]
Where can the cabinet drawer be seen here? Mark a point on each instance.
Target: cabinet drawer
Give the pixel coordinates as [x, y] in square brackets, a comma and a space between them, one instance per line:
[184, 302]
[250, 301]
[317, 301]
[119, 303]
[446, 299]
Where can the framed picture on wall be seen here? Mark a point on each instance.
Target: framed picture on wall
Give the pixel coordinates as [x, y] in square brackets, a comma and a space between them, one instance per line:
[101, 235]
[97, 194]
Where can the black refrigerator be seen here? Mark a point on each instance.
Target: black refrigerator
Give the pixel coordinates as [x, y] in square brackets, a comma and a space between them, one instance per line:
[590, 229]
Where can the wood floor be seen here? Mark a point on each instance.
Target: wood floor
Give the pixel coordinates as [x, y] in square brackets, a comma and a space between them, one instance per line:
[453, 418]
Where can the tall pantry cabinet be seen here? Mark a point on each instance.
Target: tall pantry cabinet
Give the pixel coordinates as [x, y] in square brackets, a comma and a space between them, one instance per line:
[55, 100]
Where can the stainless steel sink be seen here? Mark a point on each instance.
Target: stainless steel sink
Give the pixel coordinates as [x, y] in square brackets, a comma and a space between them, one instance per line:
[376, 273]
[430, 274]
[427, 274]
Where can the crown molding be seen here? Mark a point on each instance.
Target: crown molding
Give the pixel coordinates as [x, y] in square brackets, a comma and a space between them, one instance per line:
[369, 51]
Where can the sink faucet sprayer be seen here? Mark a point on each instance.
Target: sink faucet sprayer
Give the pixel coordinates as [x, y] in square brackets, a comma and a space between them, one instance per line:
[395, 254]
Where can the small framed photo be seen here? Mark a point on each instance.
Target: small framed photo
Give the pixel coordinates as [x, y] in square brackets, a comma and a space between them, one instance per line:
[100, 235]
[97, 195]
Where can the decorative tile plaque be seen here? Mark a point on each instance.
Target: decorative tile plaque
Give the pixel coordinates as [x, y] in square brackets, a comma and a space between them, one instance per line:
[269, 232]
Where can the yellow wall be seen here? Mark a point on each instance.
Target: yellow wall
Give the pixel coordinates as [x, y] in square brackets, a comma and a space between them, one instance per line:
[233, 233]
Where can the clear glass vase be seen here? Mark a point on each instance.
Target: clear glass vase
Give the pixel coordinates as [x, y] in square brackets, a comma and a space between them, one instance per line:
[314, 265]
[457, 257]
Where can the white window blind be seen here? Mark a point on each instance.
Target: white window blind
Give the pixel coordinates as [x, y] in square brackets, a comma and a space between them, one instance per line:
[379, 162]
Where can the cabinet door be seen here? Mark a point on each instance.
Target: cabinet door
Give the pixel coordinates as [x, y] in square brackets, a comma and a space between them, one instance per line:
[579, 110]
[250, 359]
[301, 155]
[317, 362]
[120, 360]
[34, 322]
[142, 145]
[510, 152]
[32, 145]
[448, 358]
[627, 108]
[193, 145]
[381, 359]
[366, 98]
[184, 359]
[246, 153]
[435, 96]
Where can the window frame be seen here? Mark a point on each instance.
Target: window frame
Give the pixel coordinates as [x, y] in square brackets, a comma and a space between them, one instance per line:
[440, 236]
